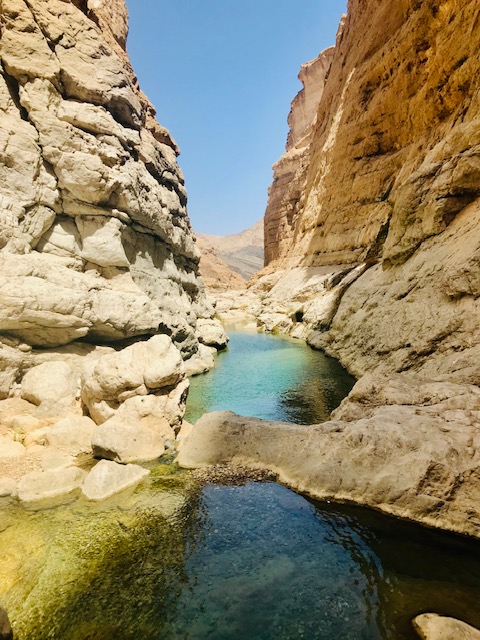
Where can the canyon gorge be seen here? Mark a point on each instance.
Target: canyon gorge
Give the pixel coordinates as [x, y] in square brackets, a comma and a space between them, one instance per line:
[371, 245]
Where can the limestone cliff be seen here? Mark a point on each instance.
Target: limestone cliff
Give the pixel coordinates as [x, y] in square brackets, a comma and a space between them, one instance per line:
[95, 240]
[98, 262]
[392, 182]
[290, 172]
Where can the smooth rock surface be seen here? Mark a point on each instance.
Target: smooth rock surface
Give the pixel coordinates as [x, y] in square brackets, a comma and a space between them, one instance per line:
[107, 478]
[211, 333]
[126, 441]
[137, 370]
[72, 434]
[8, 487]
[52, 383]
[431, 626]
[41, 485]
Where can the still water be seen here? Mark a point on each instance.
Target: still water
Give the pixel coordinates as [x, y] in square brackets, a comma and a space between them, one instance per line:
[271, 378]
[177, 560]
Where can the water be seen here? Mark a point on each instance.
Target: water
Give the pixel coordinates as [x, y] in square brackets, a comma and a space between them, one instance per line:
[271, 378]
[271, 565]
[176, 560]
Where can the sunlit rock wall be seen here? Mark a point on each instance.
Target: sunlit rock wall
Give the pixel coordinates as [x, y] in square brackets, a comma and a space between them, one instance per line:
[392, 182]
[95, 240]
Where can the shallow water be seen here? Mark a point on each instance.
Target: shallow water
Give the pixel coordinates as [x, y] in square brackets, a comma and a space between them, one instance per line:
[269, 564]
[172, 560]
[271, 378]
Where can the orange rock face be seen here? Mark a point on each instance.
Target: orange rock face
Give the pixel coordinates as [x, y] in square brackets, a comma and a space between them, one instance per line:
[394, 154]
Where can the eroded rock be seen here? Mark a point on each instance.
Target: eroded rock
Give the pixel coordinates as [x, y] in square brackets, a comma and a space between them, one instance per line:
[108, 478]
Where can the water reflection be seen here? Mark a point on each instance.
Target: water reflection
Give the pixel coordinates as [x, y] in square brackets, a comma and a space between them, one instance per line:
[271, 378]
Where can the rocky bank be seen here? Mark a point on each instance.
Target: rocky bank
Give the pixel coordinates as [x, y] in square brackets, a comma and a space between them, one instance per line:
[372, 240]
[100, 295]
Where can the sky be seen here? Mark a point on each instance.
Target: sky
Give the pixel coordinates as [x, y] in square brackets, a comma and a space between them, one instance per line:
[221, 75]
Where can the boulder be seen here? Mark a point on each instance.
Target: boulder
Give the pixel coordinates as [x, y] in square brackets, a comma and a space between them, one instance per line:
[200, 362]
[52, 383]
[42, 485]
[53, 459]
[11, 449]
[126, 442]
[12, 409]
[431, 626]
[418, 463]
[211, 333]
[107, 478]
[154, 412]
[137, 370]
[8, 487]
[72, 434]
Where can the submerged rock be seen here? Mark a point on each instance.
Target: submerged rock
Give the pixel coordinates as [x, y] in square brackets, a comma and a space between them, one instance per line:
[431, 626]
[107, 478]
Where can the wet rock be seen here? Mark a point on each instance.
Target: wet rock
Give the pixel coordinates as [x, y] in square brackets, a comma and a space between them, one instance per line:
[419, 463]
[108, 478]
[42, 485]
[431, 626]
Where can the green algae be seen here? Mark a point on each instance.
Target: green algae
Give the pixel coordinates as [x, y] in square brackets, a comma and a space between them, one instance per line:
[64, 569]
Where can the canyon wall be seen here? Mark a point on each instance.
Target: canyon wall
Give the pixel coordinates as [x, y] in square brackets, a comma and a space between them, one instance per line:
[95, 240]
[391, 182]
[100, 296]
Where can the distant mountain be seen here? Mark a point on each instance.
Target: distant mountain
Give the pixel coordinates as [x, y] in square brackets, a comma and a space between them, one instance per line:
[242, 252]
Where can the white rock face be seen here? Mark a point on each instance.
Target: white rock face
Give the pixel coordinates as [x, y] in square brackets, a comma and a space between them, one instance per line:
[8, 487]
[11, 449]
[201, 362]
[41, 485]
[108, 478]
[51, 383]
[95, 240]
[126, 441]
[211, 333]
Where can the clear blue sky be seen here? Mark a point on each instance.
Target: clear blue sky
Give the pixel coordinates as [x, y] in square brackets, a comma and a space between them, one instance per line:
[222, 74]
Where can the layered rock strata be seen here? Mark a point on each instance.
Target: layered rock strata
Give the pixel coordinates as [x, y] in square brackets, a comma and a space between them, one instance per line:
[97, 254]
[372, 239]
